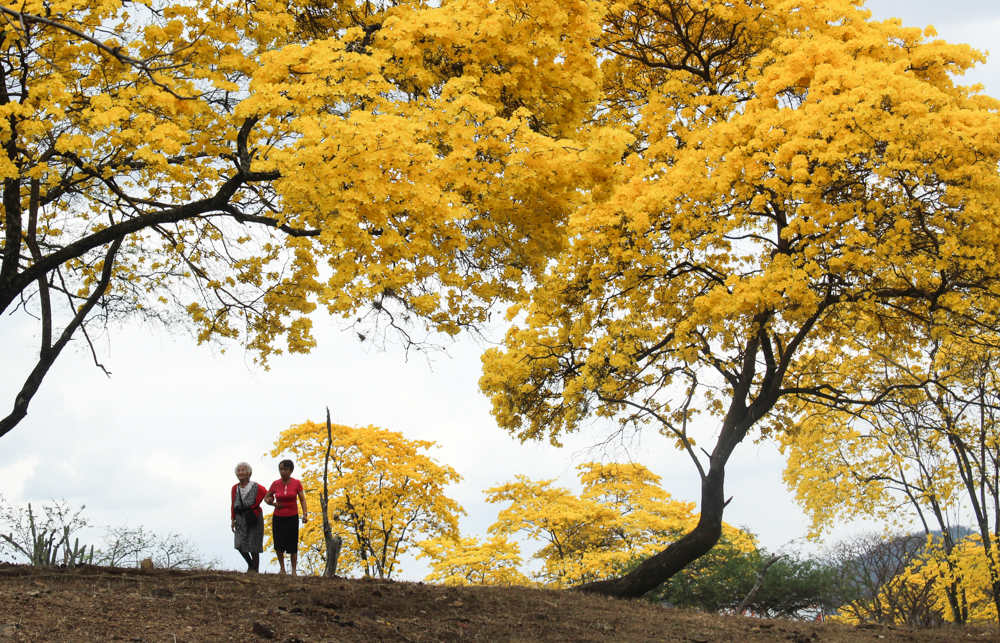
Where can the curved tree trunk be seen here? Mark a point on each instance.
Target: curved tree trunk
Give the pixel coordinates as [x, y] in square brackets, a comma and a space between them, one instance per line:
[657, 569]
[740, 418]
[48, 353]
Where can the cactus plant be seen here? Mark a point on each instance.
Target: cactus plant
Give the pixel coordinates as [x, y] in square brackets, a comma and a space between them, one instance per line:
[45, 542]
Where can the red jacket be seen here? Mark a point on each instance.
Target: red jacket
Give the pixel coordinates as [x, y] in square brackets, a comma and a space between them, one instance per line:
[261, 492]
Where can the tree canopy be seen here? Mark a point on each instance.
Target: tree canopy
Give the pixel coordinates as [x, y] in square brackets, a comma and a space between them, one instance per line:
[239, 165]
[699, 206]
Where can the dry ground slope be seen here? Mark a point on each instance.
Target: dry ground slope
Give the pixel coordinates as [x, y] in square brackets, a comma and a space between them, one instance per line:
[102, 604]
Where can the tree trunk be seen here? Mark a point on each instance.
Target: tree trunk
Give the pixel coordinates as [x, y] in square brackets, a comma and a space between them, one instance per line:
[333, 543]
[756, 586]
[658, 568]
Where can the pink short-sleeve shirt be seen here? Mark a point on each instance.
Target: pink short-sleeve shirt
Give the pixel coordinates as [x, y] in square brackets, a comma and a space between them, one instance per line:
[287, 495]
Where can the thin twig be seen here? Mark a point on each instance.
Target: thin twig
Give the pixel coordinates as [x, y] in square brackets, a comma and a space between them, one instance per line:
[114, 52]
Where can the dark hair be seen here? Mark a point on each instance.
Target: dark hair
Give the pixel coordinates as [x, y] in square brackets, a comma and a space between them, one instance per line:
[288, 464]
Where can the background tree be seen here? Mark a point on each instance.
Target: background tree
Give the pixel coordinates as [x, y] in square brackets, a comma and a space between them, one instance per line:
[968, 570]
[796, 586]
[718, 580]
[51, 536]
[622, 514]
[722, 579]
[467, 561]
[881, 581]
[208, 161]
[804, 183]
[928, 450]
[387, 492]
[124, 546]
[174, 551]
[568, 525]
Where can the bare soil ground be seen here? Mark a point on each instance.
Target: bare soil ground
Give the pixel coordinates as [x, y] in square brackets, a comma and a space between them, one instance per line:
[103, 604]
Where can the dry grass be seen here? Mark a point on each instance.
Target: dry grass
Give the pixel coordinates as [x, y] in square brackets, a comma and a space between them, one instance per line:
[95, 604]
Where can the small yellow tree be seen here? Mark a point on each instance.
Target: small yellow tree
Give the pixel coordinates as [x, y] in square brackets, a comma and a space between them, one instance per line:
[968, 568]
[386, 491]
[621, 516]
[467, 561]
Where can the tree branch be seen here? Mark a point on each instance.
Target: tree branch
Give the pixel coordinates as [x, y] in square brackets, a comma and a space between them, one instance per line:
[45, 362]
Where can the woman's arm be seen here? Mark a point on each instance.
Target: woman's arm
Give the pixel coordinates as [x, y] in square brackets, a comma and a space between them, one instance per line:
[269, 498]
[305, 510]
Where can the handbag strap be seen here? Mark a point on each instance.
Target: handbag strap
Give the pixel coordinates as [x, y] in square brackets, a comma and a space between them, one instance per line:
[239, 496]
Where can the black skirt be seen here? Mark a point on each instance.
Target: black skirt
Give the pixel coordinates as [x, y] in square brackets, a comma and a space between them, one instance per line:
[285, 530]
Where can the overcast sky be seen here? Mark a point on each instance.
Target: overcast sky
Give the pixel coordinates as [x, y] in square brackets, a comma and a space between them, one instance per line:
[155, 444]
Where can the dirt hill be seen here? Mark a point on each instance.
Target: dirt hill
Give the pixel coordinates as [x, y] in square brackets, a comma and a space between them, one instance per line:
[101, 604]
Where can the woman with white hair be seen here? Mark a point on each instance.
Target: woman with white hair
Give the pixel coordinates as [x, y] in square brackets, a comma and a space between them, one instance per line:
[247, 517]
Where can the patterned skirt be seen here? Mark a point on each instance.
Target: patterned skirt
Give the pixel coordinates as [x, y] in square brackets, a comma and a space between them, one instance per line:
[249, 540]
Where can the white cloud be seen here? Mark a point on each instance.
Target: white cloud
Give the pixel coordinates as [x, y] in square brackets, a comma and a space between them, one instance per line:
[14, 476]
[920, 13]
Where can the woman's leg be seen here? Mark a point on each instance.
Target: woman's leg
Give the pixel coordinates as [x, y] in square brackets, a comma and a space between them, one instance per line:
[255, 562]
[281, 560]
[246, 557]
[294, 556]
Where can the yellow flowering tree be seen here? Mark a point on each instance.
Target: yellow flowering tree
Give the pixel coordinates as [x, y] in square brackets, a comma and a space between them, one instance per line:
[387, 492]
[927, 450]
[969, 568]
[914, 580]
[923, 592]
[888, 578]
[469, 561]
[240, 164]
[802, 183]
[622, 515]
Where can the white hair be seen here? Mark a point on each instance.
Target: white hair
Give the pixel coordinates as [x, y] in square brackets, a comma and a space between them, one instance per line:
[243, 464]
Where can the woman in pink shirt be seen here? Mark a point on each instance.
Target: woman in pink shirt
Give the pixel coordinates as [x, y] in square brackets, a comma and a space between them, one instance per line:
[282, 495]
